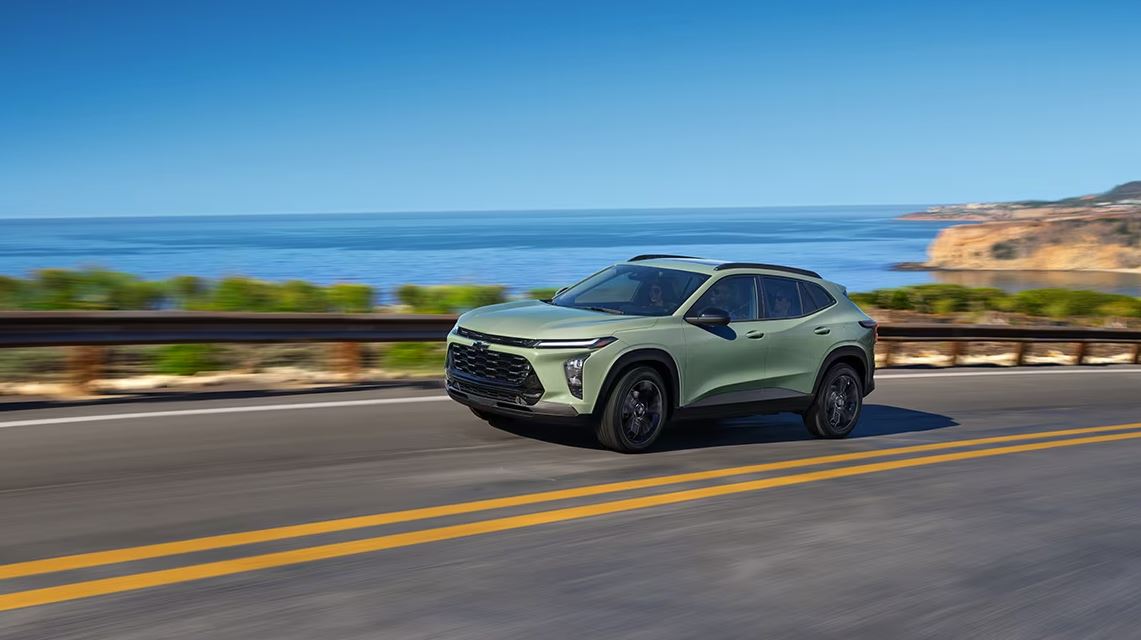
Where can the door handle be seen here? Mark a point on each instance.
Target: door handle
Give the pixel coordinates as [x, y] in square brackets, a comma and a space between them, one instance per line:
[821, 331]
[754, 334]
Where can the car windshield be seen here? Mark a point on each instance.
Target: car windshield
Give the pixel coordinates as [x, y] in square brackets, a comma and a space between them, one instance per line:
[631, 289]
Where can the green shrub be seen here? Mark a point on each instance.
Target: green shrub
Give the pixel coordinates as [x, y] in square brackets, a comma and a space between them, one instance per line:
[1004, 251]
[351, 298]
[1062, 303]
[898, 299]
[188, 292]
[300, 296]
[449, 298]
[1123, 308]
[238, 293]
[1054, 303]
[414, 355]
[13, 293]
[946, 305]
[864, 299]
[187, 359]
[545, 293]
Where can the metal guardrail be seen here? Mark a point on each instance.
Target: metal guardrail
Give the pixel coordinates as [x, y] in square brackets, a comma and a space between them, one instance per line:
[935, 332]
[71, 328]
[108, 328]
[960, 334]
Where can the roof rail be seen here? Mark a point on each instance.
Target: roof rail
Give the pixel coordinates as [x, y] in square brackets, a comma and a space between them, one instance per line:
[761, 265]
[654, 256]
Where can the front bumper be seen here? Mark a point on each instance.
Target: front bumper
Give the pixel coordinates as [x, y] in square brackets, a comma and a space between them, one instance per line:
[466, 394]
[471, 385]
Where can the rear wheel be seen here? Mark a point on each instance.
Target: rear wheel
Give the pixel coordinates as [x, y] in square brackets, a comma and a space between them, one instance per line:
[836, 408]
[635, 413]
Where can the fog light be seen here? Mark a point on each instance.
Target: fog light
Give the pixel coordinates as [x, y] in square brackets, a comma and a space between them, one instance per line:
[573, 370]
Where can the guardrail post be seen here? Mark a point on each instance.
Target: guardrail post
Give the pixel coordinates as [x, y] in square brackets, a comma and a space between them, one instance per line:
[347, 358]
[1080, 357]
[887, 349]
[1019, 353]
[85, 365]
[1137, 353]
[956, 349]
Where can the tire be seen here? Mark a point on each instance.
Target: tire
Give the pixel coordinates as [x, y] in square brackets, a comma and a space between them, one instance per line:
[835, 410]
[635, 413]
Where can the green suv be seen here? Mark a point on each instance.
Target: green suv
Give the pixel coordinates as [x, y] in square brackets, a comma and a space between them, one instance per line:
[668, 337]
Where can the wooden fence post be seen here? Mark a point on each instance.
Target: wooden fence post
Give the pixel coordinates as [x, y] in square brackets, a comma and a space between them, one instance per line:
[887, 349]
[348, 357]
[1080, 357]
[85, 365]
[956, 349]
[1019, 354]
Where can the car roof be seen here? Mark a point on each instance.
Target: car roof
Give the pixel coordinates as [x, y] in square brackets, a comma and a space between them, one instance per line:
[710, 267]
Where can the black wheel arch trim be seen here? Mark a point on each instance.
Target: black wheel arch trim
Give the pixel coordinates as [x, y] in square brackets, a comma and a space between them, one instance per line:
[847, 351]
[637, 356]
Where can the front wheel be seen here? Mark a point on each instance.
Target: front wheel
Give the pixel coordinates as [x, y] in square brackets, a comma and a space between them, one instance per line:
[635, 413]
[836, 408]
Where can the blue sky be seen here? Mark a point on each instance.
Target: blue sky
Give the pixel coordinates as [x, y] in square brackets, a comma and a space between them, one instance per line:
[154, 108]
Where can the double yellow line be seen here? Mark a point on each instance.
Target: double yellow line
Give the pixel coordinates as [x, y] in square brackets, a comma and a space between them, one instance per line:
[146, 579]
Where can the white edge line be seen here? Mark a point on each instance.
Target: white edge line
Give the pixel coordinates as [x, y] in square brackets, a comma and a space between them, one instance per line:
[415, 399]
[1030, 372]
[214, 410]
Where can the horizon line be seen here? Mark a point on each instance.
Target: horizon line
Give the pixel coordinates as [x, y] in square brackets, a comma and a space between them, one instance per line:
[474, 211]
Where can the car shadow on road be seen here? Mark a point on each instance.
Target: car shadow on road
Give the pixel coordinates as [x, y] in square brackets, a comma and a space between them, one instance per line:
[877, 420]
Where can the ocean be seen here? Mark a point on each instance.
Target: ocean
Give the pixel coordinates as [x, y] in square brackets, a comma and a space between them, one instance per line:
[853, 245]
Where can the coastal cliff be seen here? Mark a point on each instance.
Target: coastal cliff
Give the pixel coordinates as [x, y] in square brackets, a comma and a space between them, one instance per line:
[1096, 232]
[1101, 242]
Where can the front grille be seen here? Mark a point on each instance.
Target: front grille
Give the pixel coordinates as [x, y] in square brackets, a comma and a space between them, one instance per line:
[496, 366]
[494, 339]
[493, 374]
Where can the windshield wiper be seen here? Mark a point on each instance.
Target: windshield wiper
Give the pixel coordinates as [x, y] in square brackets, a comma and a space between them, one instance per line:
[604, 310]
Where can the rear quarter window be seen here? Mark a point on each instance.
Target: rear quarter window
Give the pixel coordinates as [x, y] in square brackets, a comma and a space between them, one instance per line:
[815, 297]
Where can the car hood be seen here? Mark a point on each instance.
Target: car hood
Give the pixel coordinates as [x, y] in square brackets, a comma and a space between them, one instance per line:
[535, 319]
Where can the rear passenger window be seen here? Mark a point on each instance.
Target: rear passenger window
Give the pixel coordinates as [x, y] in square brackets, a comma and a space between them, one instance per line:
[815, 297]
[782, 297]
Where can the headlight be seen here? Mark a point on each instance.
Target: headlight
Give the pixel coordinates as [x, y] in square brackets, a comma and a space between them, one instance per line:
[589, 343]
[573, 370]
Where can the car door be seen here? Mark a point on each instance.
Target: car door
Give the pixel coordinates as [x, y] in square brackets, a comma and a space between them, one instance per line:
[798, 334]
[724, 364]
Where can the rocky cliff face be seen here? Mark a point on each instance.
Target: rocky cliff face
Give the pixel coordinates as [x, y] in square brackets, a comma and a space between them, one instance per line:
[1107, 241]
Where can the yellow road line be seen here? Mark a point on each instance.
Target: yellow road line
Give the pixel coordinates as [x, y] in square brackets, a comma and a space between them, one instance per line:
[163, 549]
[104, 586]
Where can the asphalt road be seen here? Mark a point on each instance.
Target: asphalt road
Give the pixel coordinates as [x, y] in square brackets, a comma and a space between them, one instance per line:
[966, 505]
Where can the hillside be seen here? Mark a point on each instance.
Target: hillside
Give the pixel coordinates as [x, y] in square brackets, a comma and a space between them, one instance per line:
[1124, 198]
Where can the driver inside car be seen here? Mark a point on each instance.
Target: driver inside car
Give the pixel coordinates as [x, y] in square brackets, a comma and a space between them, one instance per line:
[722, 297]
[657, 295]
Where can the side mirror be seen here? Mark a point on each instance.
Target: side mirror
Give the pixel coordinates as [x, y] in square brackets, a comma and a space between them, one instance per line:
[710, 318]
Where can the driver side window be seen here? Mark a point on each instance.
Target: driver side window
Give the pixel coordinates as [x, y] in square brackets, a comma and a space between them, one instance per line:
[735, 295]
